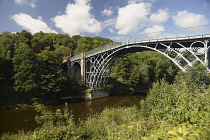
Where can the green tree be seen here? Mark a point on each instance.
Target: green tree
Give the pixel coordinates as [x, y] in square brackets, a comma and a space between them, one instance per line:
[23, 37]
[37, 38]
[139, 70]
[6, 54]
[62, 51]
[99, 41]
[25, 68]
[185, 101]
[51, 77]
[7, 45]
[87, 43]
[63, 40]
[195, 78]
[84, 44]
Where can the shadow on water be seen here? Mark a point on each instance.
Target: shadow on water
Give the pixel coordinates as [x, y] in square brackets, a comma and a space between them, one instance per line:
[23, 119]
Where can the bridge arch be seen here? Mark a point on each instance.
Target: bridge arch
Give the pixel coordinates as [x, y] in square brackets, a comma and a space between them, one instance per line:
[98, 66]
[196, 48]
[74, 70]
[180, 49]
[174, 55]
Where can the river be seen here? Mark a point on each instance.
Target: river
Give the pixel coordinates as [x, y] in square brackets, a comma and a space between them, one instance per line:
[23, 119]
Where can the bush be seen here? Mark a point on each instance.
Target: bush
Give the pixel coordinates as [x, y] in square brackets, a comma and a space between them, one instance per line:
[180, 110]
[98, 127]
[55, 125]
[180, 102]
[171, 111]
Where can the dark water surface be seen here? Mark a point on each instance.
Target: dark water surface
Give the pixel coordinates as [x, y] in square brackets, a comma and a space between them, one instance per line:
[23, 119]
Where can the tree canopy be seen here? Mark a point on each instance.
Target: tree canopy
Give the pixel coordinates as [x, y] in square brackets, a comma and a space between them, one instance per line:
[30, 64]
[139, 70]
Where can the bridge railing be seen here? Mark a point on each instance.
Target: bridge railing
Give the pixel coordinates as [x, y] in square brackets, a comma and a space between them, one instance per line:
[190, 33]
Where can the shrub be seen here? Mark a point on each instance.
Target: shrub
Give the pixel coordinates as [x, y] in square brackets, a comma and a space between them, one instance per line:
[171, 111]
[98, 127]
[180, 110]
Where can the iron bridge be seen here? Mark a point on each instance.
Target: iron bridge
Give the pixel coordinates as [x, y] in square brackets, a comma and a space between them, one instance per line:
[184, 47]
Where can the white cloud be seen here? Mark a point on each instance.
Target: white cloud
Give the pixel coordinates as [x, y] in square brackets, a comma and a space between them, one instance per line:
[27, 2]
[134, 1]
[78, 19]
[154, 30]
[109, 24]
[138, 1]
[132, 17]
[107, 12]
[160, 16]
[111, 30]
[34, 25]
[185, 19]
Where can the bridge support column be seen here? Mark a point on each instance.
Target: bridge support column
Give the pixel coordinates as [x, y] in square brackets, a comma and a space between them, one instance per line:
[74, 71]
[206, 49]
[83, 68]
[69, 70]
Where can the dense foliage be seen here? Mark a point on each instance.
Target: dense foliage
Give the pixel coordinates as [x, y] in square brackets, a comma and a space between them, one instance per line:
[174, 109]
[30, 65]
[178, 111]
[139, 71]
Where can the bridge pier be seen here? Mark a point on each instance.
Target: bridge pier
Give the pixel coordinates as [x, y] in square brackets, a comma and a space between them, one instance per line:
[96, 94]
[206, 49]
[74, 71]
[77, 71]
[83, 68]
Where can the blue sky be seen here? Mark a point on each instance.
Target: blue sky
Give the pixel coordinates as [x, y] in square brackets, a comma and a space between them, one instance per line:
[106, 18]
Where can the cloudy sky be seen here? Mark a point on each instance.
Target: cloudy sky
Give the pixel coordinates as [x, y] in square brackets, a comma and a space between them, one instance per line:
[106, 18]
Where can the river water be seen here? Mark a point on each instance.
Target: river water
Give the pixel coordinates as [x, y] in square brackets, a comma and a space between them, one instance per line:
[23, 119]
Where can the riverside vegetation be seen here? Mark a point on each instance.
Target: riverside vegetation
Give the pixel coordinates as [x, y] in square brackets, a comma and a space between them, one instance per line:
[30, 69]
[176, 107]
[175, 111]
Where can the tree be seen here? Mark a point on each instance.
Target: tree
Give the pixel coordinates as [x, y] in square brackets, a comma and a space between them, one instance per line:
[6, 54]
[7, 45]
[25, 66]
[23, 37]
[51, 77]
[194, 78]
[99, 41]
[87, 43]
[84, 44]
[139, 70]
[62, 51]
[40, 46]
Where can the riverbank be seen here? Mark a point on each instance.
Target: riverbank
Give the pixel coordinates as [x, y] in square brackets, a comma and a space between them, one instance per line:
[14, 102]
[53, 101]
[169, 112]
[23, 118]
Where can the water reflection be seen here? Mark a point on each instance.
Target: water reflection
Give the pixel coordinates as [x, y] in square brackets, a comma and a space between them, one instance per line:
[13, 120]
